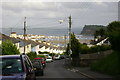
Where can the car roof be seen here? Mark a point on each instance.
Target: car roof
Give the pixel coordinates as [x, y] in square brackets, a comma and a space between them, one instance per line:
[9, 56]
[38, 58]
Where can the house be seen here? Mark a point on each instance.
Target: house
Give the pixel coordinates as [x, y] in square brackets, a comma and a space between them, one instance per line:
[47, 48]
[34, 46]
[13, 34]
[27, 47]
[42, 48]
[104, 41]
[4, 37]
[23, 43]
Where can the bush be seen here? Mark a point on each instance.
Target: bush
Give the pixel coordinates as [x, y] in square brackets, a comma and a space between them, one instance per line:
[8, 48]
[109, 64]
[99, 48]
[32, 55]
[114, 35]
[84, 49]
[41, 56]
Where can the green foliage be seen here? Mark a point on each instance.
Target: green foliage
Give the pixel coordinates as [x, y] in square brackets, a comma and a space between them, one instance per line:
[114, 26]
[78, 48]
[41, 56]
[84, 49]
[109, 64]
[67, 50]
[99, 48]
[32, 55]
[100, 32]
[75, 46]
[114, 35]
[8, 48]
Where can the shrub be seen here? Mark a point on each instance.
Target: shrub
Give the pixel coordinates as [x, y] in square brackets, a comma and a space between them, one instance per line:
[41, 56]
[8, 48]
[114, 35]
[109, 64]
[32, 55]
[84, 49]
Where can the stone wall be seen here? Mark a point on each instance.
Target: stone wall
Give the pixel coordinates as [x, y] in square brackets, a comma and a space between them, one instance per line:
[87, 59]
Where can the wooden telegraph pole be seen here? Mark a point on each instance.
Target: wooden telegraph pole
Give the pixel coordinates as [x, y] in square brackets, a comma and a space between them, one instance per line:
[70, 23]
[24, 33]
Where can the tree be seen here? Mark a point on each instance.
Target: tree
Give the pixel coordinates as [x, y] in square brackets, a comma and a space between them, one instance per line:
[67, 50]
[100, 32]
[96, 34]
[8, 48]
[75, 47]
[114, 35]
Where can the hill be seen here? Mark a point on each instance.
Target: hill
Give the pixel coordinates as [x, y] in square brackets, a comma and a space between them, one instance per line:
[89, 30]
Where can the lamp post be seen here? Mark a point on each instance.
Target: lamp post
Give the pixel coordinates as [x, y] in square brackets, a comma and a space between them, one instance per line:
[70, 24]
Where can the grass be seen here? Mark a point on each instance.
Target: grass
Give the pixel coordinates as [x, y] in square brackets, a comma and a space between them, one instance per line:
[108, 65]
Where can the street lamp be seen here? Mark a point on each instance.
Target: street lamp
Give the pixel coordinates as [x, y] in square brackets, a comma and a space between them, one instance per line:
[70, 23]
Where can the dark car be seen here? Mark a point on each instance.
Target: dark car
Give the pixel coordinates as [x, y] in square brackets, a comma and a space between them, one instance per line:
[16, 67]
[62, 57]
[38, 67]
[42, 60]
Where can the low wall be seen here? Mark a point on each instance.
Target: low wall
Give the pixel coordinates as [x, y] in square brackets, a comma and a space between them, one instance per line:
[87, 59]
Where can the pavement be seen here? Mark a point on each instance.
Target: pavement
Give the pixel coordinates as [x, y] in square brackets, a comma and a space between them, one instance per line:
[91, 73]
[58, 70]
[86, 71]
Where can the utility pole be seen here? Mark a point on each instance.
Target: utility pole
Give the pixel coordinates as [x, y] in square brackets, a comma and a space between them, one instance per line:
[24, 33]
[70, 23]
[65, 40]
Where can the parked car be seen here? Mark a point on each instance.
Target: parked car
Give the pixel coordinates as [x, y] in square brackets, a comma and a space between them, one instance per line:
[62, 57]
[42, 60]
[16, 67]
[56, 57]
[49, 59]
[38, 67]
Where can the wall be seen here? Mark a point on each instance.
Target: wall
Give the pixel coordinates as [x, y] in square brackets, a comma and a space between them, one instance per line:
[87, 59]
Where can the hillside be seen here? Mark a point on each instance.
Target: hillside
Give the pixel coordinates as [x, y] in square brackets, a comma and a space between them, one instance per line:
[89, 30]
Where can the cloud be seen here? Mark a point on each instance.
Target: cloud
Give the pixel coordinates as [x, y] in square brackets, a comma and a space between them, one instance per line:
[82, 12]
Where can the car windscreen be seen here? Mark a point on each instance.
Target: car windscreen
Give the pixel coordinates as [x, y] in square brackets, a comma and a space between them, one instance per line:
[11, 66]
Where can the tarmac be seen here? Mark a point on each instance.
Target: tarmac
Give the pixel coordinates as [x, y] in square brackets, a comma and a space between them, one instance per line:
[86, 71]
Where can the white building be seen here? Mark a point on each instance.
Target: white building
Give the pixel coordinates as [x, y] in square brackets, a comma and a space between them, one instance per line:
[13, 34]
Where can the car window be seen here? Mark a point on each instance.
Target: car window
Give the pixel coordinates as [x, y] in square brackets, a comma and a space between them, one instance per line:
[36, 64]
[11, 66]
[28, 62]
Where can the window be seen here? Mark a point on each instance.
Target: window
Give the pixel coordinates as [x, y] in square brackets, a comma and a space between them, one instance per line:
[11, 66]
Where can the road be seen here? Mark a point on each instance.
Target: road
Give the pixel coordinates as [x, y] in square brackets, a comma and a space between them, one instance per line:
[56, 69]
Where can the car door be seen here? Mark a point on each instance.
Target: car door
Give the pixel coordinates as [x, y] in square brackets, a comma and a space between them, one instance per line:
[29, 69]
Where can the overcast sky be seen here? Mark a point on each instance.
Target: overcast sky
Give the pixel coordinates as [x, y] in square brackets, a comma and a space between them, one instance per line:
[48, 14]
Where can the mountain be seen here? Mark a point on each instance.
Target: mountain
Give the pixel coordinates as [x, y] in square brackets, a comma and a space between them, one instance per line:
[89, 30]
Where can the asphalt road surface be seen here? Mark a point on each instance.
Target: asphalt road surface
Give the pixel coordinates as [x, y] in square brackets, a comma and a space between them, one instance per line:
[56, 69]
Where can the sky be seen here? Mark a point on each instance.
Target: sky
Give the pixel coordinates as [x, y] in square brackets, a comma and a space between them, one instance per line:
[44, 14]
